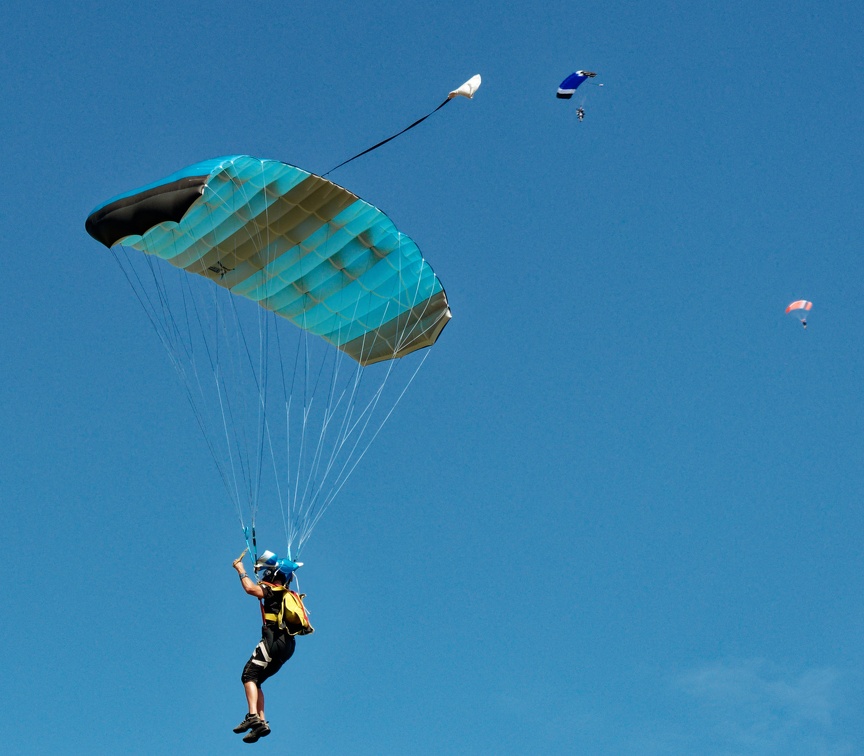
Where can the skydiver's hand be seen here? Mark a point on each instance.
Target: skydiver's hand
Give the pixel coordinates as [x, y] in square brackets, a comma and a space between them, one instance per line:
[237, 564]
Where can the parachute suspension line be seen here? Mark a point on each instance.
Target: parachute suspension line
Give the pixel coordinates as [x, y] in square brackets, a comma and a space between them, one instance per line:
[268, 326]
[226, 324]
[312, 466]
[160, 326]
[302, 350]
[239, 363]
[227, 411]
[350, 403]
[330, 409]
[256, 443]
[286, 402]
[305, 522]
[229, 425]
[349, 466]
[231, 334]
[217, 371]
[376, 398]
[262, 428]
[252, 459]
[308, 400]
[164, 327]
[308, 464]
[292, 480]
[311, 515]
[229, 480]
[309, 518]
[313, 463]
[349, 428]
[287, 520]
[388, 139]
[260, 374]
[349, 423]
[266, 424]
[409, 335]
[237, 451]
[296, 490]
[347, 474]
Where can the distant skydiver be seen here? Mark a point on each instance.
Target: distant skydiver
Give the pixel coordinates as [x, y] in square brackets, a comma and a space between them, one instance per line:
[277, 635]
[799, 309]
[568, 88]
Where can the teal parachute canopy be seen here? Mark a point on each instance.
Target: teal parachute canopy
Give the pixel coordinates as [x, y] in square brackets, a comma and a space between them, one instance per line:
[282, 300]
[294, 243]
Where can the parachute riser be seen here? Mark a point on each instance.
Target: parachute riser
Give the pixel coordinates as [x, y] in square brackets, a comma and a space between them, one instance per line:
[253, 549]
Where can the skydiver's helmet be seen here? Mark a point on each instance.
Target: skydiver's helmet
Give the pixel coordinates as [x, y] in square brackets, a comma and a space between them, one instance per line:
[275, 570]
[267, 559]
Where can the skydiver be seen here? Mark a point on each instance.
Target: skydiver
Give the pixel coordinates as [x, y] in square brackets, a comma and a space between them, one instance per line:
[580, 113]
[804, 323]
[277, 644]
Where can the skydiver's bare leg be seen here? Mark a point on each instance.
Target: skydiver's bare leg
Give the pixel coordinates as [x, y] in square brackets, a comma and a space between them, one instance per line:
[254, 698]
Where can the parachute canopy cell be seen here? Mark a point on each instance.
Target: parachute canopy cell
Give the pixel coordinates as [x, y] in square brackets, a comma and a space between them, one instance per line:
[569, 86]
[291, 241]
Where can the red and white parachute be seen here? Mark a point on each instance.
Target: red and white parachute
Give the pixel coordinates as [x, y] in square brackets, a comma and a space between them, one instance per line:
[799, 308]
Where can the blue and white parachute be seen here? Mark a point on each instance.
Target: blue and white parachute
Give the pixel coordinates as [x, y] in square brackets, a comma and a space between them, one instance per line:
[569, 86]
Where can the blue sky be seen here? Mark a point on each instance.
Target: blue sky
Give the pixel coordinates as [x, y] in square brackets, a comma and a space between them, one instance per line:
[619, 511]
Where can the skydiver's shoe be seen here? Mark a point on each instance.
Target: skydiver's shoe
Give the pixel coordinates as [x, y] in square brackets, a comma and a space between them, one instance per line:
[259, 730]
[252, 720]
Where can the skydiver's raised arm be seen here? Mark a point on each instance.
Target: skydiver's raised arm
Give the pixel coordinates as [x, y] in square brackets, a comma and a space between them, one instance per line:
[249, 585]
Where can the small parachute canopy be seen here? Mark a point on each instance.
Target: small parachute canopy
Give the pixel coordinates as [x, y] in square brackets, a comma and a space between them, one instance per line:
[571, 84]
[799, 307]
[467, 89]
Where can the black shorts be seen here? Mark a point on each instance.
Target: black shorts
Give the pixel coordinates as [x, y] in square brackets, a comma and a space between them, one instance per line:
[276, 647]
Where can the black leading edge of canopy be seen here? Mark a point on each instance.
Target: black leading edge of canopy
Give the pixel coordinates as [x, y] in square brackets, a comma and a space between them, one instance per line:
[139, 212]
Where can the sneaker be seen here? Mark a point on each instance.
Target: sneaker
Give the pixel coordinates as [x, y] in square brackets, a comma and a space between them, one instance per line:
[258, 730]
[247, 724]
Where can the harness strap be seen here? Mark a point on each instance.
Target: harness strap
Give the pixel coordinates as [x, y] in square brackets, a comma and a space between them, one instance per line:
[269, 617]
